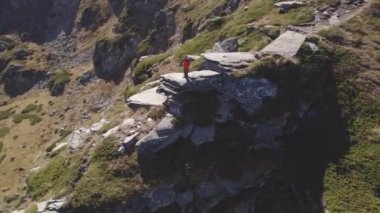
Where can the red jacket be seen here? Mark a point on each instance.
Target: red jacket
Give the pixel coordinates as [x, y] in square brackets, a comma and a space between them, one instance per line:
[186, 64]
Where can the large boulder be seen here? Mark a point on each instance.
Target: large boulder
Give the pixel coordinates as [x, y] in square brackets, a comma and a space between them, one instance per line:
[113, 56]
[18, 80]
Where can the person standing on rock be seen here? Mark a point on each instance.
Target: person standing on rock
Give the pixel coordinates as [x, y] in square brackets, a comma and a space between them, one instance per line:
[186, 66]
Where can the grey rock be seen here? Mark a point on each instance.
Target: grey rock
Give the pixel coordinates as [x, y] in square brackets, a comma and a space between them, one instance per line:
[129, 141]
[285, 6]
[57, 204]
[18, 80]
[160, 197]
[223, 114]
[111, 58]
[287, 44]
[185, 198]
[266, 133]
[229, 61]
[202, 135]
[248, 92]
[207, 190]
[217, 48]
[159, 138]
[187, 130]
[147, 98]
[230, 45]
[174, 83]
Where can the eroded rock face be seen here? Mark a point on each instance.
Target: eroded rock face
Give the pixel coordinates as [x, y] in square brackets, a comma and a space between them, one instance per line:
[162, 136]
[38, 21]
[112, 57]
[18, 80]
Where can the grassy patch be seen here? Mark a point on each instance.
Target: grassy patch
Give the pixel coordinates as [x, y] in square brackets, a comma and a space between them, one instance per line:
[109, 179]
[58, 81]
[107, 127]
[144, 47]
[197, 45]
[352, 184]
[140, 71]
[156, 113]
[34, 119]
[255, 41]
[4, 131]
[5, 114]
[29, 108]
[333, 34]
[295, 16]
[57, 175]
[130, 91]
[1, 146]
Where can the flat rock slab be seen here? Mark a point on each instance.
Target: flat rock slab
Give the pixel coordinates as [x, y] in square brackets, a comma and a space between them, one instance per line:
[147, 98]
[234, 59]
[178, 80]
[287, 44]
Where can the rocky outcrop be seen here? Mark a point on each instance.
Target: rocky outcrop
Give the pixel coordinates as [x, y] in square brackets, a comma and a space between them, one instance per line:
[175, 83]
[227, 45]
[38, 21]
[18, 80]
[162, 136]
[225, 62]
[113, 56]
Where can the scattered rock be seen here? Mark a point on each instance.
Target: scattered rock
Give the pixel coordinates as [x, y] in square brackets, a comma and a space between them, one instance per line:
[98, 126]
[77, 138]
[129, 141]
[112, 131]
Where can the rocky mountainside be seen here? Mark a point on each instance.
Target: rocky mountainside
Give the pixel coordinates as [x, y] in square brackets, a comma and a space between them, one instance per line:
[280, 112]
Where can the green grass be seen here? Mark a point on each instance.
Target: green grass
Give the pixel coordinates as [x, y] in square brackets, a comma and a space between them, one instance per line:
[109, 179]
[333, 34]
[57, 175]
[1, 146]
[5, 114]
[352, 184]
[255, 41]
[107, 127]
[145, 64]
[58, 81]
[295, 16]
[29, 108]
[130, 91]
[144, 47]
[156, 113]
[197, 45]
[4, 131]
[34, 119]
